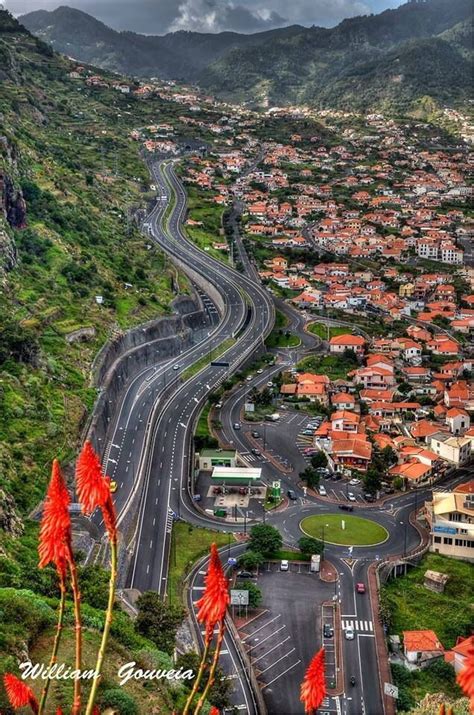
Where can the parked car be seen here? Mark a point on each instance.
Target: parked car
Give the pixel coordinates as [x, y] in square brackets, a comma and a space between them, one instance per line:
[270, 384]
[322, 491]
[308, 431]
[259, 371]
[354, 482]
[369, 497]
[244, 574]
[292, 495]
[255, 434]
[351, 497]
[218, 405]
[284, 565]
[349, 633]
[389, 490]
[328, 631]
[346, 507]
[360, 588]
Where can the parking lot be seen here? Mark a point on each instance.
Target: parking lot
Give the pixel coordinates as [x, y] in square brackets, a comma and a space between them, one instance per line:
[282, 640]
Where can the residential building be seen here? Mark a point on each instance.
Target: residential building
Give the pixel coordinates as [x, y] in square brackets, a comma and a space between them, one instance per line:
[451, 519]
[456, 450]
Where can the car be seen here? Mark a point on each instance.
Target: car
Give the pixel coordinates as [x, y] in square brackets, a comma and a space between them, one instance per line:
[218, 405]
[354, 482]
[236, 425]
[259, 372]
[255, 434]
[270, 384]
[360, 588]
[322, 491]
[249, 378]
[322, 470]
[328, 631]
[369, 497]
[308, 431]
[176, 367]
[284, 565]
[336, 477]
[113, 486]
[197, 497]
[349, 633]
[346, 507]
[350, 496]
[256, 452]
[389, 490]
[244, 574]
[292, 495]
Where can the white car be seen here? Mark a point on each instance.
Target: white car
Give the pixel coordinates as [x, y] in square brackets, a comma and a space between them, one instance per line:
[354, 482]
[322, 491]
[259, 372]
[349, 633]
[284, 565]
[249, 378]
[269, 384]
[176, 367]
[351, 497]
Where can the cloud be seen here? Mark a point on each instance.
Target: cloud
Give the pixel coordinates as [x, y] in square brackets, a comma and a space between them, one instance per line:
[215, 16]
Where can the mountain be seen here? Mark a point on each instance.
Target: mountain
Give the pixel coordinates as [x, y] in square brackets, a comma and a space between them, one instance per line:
[390, 60]
[173, 56]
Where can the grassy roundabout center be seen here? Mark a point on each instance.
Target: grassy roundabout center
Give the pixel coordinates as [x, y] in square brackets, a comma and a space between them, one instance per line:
[357, 531]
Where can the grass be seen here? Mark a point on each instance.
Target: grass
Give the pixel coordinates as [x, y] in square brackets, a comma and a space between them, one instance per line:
[206, 359]
[202, 427]
[413, 607]
[335, 367]
[188, 543]
[321, 330]
[357, 532]
[281, 339]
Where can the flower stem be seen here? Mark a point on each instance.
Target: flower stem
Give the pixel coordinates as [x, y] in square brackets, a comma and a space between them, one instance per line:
[107, 625]
[76, 706]
[57, 638]
[198, 679]
[212, 671]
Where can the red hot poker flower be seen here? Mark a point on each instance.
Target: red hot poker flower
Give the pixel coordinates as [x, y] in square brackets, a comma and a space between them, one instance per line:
[213, 604]
[214, 711]
[55, 533]
[466, 676]
[93, 488]
[313, 687]
[19, 694]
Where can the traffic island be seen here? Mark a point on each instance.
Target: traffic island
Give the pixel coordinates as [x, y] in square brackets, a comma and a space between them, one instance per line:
[347, 530]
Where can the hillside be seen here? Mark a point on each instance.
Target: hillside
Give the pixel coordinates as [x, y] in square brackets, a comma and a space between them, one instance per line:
[177, 55]
[389, 61]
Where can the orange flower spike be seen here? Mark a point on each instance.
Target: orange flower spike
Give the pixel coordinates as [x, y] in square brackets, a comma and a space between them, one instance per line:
[442, 709]
[213, 604]
[93, 488]
[18, 693]
[313, 687]
[55, 532]
[466, 677]
[214, 711]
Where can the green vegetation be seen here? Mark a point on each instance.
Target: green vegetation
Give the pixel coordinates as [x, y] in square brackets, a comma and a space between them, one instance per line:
[335, 367]
[188, 543]
[265, 539]
[320, 329]
[357, 531]
[158, 621]
[414, 685]
[279, 337]
[206, 359]
[408, 605]
[206, 213]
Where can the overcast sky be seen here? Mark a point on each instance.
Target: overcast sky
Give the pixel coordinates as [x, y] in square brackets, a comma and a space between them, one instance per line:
[161, 16]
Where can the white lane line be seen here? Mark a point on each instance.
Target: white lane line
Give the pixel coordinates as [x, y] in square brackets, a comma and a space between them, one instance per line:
[272, 665]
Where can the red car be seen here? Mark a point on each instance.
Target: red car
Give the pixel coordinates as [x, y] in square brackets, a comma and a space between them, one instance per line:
[360, 588]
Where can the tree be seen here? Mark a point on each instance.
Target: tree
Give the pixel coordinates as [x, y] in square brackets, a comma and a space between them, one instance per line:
[251, 560]
[265, 539]
[310, 476]
[308, 545]
[119, 701]
[158, 621]
[372, 480]
[319, 460]
[255, 594]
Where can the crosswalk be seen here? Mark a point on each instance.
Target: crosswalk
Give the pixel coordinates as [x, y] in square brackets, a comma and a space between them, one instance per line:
[358, 625]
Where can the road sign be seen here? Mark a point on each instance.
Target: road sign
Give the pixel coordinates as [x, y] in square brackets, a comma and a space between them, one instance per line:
[390, 690]
[239, 597]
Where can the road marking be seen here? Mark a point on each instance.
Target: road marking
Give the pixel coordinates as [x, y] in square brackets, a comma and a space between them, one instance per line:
[281, 674]
[272, 665]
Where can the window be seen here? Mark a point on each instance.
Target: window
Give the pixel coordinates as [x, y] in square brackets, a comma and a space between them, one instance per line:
[437, 539]
[448, 541]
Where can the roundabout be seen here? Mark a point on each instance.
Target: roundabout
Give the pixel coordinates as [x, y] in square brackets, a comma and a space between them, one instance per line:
[347, 530]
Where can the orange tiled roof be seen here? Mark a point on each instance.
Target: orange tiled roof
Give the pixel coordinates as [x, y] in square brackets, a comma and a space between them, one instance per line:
[421, 641]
